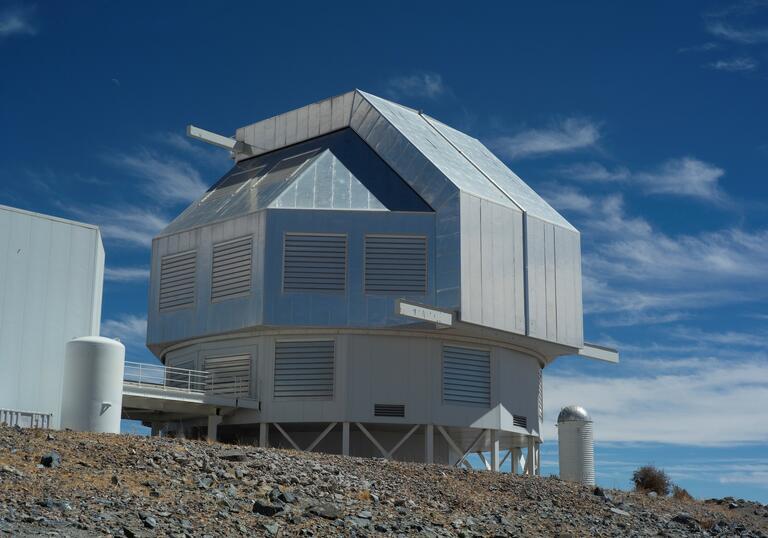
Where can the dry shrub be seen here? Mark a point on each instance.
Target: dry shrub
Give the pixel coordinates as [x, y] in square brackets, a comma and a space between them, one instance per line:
[649, 478]
[681, 494]
[364, 495]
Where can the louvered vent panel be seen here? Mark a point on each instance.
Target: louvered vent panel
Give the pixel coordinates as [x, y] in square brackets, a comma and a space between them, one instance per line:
[304, 369]
[396, 264]
[466, 376]
[541, 395]
[229, 375]
[388, 410]
[177, 281]
[231, 273]
[519, 421]
[315, 263]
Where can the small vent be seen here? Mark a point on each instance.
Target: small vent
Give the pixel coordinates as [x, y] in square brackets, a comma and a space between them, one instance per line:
[315, 263]
[304, 369]
[388, 410]
[229, 375]
[520, 422]
[466, 376]
[231, 274]
[177, 281]
[396, 264]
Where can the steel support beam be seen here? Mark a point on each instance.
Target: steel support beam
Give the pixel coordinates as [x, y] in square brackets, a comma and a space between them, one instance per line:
[345, 438]
[213, 427]
[495, 446]
[264, 434]
[429, 443]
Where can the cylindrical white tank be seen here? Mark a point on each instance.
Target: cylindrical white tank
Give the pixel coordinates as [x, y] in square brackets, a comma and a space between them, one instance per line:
[92, 394]
[576, 445]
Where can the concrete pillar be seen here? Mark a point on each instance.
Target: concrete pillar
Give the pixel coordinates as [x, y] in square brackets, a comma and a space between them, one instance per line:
[494, 441]
[429, 443]
[530, 461]
[345, 438]
[537, 461]
[264, 434]
[515, 460]
[213, 427]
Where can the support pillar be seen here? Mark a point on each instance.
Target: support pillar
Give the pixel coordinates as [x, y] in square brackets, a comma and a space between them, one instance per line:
[515, 460]
[538, 459]
[345, 438]
[429, 443]
[264, 434]
[494, 442]
[213, 427]
[530, 465]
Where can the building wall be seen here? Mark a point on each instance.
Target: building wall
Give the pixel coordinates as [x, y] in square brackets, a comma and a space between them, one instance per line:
[383, 368]
[51, 275]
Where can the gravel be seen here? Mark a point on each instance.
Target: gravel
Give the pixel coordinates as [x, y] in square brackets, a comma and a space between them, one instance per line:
[138, 486]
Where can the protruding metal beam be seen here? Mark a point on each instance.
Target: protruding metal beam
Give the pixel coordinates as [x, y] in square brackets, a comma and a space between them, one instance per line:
[211, 137]
[601, 353]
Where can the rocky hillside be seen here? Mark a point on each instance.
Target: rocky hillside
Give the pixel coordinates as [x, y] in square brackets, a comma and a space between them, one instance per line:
[73, 484]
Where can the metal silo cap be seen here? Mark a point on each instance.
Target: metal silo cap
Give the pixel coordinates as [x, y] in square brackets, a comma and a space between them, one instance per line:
[573, 413]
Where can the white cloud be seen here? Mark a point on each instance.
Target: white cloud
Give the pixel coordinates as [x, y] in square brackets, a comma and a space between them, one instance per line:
[130, 329]
[426, 85]
[126, 274]
[594, 173]
[718, 403]
[567, 135]
[568, 199]
[16, 22]
[165, 179]
[746, 36]
[125, 224]
[744, 63]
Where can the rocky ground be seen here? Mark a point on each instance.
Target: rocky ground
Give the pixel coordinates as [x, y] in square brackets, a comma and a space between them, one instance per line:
[76, 484]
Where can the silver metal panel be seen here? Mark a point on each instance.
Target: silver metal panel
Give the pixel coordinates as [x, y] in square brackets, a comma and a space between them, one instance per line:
[314, 120]
[177, 281]
[466, 376]
[281, 127]
[232, 268]
[568, 285]
[396, 264]
[339, 112]
[550, 286]
[497, 172]
[471, 260]
[325, 116]
[537, 277]
[291, 127]
[302, 124]
[228, 374]
[304, 369]
[314, 262]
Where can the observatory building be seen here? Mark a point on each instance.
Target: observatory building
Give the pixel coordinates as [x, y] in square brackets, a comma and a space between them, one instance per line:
[367, 280]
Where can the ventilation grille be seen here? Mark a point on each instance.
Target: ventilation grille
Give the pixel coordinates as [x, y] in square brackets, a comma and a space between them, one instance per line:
[388, 410]
[304, 369]
[229, 375]
[231, 274]
[520, 422]
[177, 281]
[466, 376]
[315, 263]
[396, 264]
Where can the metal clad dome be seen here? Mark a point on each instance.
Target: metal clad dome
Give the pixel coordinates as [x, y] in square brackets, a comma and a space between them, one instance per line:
[573, 413]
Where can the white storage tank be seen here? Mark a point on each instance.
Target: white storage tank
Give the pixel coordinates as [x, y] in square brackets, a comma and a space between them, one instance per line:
[576, 445]
[92, 394]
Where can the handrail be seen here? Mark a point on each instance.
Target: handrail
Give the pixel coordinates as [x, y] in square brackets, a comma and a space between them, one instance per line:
[183, 379]
[25, 419]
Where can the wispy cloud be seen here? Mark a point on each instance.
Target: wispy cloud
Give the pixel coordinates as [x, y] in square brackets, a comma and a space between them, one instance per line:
[129, 328]
[704, 47]
[128, 224]
[718, 403]
[570, 134]
[126, 274]
[745, 36]
[744, 63]
[683, 176]
[427, 85]
[165, 178]
[17, 21]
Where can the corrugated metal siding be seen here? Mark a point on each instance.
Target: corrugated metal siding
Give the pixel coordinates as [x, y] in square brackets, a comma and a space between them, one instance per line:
[177, 280]
[396, 264]
[541, 395]
[466, 375]
[304, 369]
[231, 270]
[315, 262]
[229, 375]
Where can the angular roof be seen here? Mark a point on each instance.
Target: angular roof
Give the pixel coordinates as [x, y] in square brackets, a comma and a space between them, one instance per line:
[386, 126]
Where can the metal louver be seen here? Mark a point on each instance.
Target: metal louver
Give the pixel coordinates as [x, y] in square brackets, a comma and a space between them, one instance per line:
[177, 281]
[466, 376]
[396, 264]
[231, 272]
[388, 410]
[304, 369]
[520, 421]
[315, 262]
[229, 375]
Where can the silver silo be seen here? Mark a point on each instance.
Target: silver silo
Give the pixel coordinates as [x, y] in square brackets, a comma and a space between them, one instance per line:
[576, 445]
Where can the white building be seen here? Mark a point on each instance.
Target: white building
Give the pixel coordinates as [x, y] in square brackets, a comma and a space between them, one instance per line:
[283, 280]
[51, 275]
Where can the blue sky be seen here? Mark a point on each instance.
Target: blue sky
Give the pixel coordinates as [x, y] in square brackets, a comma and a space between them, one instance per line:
[644, 124]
